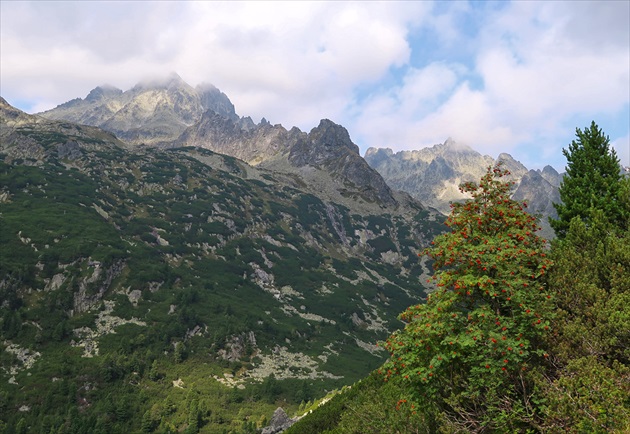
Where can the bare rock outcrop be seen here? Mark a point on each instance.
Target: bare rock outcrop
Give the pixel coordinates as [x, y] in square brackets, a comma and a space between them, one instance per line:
[280, 421]
[433, 175]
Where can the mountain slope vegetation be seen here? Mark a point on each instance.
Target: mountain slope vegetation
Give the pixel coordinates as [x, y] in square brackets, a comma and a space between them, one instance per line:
[517, 337]
[180, 289]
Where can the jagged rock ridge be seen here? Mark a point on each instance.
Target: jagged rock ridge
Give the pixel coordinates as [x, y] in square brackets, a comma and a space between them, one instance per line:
[170, 113]
[433, 176]
[148, 113]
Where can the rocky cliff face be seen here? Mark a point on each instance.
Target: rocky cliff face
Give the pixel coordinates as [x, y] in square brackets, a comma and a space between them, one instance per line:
[169, 113]
[540, 194]
[329, 147]
[325, 160]
[149, 113]
[433, 176]
[239, 138]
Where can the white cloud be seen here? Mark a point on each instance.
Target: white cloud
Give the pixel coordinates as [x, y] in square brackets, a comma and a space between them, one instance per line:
[500, 77]
[307, 58]
[286, 61]
[539, 72]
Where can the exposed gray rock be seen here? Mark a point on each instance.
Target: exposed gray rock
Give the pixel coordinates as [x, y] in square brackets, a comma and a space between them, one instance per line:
[540, 195]
[149, 113]
[84, 300]
[516, 168]
[237, 347]
[329, 146]
[102, 93]
[253, 144]
[64, 141]
[212, 99]
[170, 113]
[279, 422]
[69, 150]
[433, 176]
[551, 176]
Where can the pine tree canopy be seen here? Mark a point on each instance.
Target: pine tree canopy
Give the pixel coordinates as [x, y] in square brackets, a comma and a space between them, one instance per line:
[593, 180]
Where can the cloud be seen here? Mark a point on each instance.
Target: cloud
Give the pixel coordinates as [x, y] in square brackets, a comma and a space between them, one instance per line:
[501, 77]
[538, 71]
[306, 58]
[286, 61]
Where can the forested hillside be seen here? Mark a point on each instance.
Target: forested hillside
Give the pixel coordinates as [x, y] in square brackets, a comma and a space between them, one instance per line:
[519, 336]
[170, 290]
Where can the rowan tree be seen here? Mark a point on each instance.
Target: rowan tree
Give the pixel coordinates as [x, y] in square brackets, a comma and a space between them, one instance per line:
[592, 180]
[464, 355]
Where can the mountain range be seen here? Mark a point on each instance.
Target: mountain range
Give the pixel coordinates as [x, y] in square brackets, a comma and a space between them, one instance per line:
[192, 276]
[433, 175]
[164, 257]
[172, 113]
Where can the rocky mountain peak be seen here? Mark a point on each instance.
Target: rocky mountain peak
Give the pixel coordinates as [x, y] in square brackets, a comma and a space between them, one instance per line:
[379, 151]
[103, 92]
[434, 174]
[325, 143]
[9, 116]
[539, 194]
[378, 155]
[516, 168]
[328, 146]
[6, 107]
[212, 99]
[451, 145]
[328, 132]
[552, 176]
[153, 111]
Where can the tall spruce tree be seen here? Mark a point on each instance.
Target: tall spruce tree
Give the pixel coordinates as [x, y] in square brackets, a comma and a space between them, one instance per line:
[593, 181]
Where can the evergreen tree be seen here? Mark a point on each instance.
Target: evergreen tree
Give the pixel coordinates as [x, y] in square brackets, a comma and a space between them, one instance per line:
[147, 423]
[194, 417]
[21, 427]
[154, 373]
[593, 180]
[179, 352]
[587, 387]
[465, 355]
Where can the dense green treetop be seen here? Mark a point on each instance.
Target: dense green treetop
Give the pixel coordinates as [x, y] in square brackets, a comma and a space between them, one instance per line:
[592, 180]
[467, 351]
[587, 385]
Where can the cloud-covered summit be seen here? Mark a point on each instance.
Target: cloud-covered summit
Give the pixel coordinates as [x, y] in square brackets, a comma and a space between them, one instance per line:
[513, 76]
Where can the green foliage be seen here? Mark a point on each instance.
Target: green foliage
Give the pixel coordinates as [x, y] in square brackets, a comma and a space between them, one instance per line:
[588, 385]
[592, 180]
[175, 244]
[382, 244]
[464, 355]
[456, 361]
[369, 406]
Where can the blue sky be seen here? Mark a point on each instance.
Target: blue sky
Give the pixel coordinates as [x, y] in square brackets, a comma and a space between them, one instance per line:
[516, 77]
